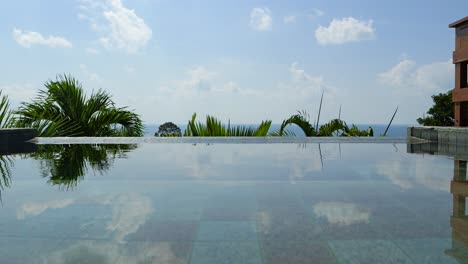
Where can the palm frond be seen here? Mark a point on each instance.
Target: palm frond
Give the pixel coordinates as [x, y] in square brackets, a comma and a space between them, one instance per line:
[301, 120]
[335, 125]
[213, 127]
[5, 112]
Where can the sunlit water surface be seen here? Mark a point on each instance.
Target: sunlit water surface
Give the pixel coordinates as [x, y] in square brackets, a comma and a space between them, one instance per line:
[231, 203]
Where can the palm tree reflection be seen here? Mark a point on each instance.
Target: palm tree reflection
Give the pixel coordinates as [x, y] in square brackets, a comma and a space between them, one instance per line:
[6, 163]
[66, 165]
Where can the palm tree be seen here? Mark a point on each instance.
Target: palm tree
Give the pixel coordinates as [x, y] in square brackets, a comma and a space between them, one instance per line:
[214, 128]
[63, 109]
[333, 127]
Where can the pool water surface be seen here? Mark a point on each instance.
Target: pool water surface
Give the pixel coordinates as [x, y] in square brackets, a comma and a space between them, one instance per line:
[232, 203]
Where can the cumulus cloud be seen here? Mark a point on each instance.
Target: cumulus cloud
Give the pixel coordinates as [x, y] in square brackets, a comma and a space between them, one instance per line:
[345, 30]
[201, 84]
[18, 93]
[92, 76]
[415, 174]
[119, 27]
[305, 85]
[28, 39]
[340, 213]
[291, 19]
[316, 13]
[95, 251]
[34, 208]
[201, 80]
[92, 51]
[261, 19]
[409, 77]
[129, 212]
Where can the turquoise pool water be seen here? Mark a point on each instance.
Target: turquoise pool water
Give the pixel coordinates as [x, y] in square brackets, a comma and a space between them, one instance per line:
[232, 203]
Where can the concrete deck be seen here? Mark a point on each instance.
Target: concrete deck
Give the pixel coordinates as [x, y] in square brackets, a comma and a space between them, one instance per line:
[219, 140]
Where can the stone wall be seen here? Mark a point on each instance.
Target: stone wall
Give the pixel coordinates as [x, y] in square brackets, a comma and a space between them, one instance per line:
[440, 135]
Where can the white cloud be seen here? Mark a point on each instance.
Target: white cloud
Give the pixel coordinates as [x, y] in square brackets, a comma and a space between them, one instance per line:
[34, 208]
[340, 213]
[92, 76]
[129, 212]
[409, 78]
[100, 251]
[408, 174]
[305, 84]
[261, 19]
[30, 38]
[345, 30]
[200, 79]
[205, 91]
[316, 13]
[291, 19]
[19, 93]
[92, 51]
[120, 27]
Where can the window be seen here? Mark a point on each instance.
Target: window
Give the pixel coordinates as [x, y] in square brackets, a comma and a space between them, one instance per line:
[464, 74]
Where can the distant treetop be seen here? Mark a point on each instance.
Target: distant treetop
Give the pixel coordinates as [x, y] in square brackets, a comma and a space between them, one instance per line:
[168, 129]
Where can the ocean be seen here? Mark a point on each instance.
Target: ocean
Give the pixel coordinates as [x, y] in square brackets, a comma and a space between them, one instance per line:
[393, 131]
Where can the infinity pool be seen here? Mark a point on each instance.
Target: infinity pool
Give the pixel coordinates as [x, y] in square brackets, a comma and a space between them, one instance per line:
[232, 203]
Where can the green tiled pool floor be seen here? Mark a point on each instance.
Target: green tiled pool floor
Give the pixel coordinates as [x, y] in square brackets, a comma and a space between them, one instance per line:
[294, 229]
[259, 204]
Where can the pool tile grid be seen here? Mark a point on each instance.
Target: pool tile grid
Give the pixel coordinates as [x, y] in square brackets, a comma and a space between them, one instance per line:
[237, 238]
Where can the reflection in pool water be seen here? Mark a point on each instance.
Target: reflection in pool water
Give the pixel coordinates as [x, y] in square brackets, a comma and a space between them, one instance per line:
[236, 203]
[66, 165]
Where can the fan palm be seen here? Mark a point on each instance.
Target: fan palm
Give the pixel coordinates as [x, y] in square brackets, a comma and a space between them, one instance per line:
[214, 128]
[63, 109]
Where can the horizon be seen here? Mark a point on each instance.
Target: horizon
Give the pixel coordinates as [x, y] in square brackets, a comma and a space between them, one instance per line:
[245, 61]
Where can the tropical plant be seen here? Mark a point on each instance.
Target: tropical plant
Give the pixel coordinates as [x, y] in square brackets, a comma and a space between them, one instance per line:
[354, 131]
[5, 112]
[214, 128]
[168, 129]
[63, 109]
[441, 113]
[335, 127]
[66, 165]
[6, 162]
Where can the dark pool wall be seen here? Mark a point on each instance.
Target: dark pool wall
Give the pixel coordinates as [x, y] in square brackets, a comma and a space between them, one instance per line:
[13, 141]
[16, 135]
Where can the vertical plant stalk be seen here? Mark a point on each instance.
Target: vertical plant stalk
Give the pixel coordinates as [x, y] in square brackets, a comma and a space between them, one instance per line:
[339, 113]
[391, 120]
[339, 118]
[321, 157]
[320, 109]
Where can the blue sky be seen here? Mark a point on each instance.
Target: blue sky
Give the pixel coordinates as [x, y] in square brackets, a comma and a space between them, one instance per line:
[240, 60]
